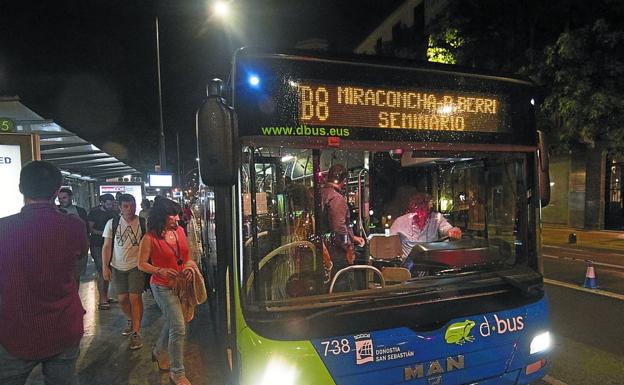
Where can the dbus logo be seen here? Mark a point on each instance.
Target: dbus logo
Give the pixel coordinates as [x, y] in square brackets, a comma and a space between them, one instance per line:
[501, 325]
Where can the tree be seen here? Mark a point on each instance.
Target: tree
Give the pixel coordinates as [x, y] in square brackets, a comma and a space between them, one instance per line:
[584, 70]
[571, 48]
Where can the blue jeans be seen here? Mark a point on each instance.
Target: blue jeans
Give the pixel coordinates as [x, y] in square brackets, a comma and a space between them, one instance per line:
[174, 330]
[57, 370]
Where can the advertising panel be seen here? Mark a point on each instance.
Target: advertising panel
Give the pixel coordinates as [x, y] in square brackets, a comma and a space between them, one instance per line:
[10, 166]
[160, 180]
[136, 190]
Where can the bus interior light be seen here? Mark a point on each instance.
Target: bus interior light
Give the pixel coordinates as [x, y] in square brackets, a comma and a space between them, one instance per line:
[541, 342]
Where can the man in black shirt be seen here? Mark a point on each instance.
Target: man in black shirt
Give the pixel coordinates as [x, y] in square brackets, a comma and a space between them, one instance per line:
[65, 197]
[98, 216]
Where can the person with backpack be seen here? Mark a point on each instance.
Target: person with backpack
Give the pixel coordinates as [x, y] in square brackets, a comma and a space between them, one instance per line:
[122, 236]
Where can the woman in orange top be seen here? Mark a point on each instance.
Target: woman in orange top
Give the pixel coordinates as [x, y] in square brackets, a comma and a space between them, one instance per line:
[164, 253]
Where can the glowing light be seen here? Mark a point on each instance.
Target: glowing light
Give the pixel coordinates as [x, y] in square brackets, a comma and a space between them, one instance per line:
[446, 110]
[532, 102]
[540, 342]
[222, 8]
[370, 212]
[445, 203]
[293, 83]
[287, 158]
[552, 184]
[254, 80]
[279, 373]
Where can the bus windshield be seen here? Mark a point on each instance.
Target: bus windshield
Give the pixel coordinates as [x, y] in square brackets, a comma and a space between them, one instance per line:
[318, 224]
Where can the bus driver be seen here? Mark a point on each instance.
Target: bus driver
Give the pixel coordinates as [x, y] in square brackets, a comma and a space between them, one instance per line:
[421, 224]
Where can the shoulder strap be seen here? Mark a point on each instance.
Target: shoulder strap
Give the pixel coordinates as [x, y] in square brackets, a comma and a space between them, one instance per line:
[143, 226]
[115, 226]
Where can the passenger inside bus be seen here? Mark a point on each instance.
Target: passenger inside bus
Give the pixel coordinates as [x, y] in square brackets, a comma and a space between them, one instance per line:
[420, 223]
[338, 235]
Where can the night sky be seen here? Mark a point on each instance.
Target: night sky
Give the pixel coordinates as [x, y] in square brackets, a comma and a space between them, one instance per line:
[90, 65]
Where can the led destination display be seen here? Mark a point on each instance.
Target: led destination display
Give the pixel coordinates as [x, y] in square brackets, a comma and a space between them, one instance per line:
[389, 108]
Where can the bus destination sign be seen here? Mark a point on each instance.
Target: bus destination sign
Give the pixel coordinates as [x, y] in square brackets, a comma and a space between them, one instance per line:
[388, 108]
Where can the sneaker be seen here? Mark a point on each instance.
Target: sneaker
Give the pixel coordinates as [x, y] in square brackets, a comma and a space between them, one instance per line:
[128, 330]
[136, 342]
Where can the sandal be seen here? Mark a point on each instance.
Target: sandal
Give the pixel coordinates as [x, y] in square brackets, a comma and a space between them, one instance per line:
[104, 306]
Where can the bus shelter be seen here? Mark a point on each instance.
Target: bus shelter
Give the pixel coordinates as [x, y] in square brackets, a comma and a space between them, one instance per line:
[82, 163]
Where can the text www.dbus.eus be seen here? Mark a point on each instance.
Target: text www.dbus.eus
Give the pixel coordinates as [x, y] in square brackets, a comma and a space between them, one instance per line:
[305, 131]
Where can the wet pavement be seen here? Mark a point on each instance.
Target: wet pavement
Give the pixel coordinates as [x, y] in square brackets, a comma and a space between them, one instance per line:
[106, 360]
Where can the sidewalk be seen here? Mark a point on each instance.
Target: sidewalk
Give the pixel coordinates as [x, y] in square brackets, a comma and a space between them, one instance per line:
[599, 240]
[104, 355]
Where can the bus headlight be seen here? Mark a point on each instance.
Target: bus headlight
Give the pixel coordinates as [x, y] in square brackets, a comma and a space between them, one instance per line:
[279, 373]
[540, 342]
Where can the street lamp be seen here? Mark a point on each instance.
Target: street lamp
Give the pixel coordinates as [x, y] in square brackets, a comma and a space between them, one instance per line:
[221, 8]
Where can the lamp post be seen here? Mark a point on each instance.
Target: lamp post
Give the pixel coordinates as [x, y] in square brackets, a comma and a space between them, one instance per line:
[161, 154]
[221, 8]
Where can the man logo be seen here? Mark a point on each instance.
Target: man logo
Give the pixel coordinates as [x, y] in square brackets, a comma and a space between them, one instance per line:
[364, 351]
[433, 369]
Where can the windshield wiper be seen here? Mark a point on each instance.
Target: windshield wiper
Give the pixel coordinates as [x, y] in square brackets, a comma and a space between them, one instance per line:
[521, 281]
[514, 277]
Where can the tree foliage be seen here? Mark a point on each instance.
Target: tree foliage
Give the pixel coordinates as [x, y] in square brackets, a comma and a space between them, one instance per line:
[584, 70]
[571, 48]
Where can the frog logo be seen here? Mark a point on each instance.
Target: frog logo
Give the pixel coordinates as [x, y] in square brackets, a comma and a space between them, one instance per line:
[459, 332]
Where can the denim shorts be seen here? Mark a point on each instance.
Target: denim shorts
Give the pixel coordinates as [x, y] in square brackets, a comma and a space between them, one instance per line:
[130, 281]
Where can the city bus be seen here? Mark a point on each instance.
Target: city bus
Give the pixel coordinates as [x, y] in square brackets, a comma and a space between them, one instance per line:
[462, 311]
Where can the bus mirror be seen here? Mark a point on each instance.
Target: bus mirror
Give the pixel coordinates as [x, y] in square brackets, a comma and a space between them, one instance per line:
[217, 139]
[543, 170]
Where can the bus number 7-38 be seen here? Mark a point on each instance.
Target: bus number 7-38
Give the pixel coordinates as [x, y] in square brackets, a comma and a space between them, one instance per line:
[337, 347]
[313, 103]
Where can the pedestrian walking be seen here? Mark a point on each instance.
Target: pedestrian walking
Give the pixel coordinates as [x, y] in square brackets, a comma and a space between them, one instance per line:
[165, 254]
[66, 205]
[41, 315]
[98, 217]
[121, 250]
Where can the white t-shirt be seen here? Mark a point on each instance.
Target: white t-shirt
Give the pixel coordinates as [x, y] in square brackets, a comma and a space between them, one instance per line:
[125, 243]
[436, 226]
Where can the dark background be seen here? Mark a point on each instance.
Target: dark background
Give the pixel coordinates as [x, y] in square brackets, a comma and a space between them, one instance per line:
[90, 65]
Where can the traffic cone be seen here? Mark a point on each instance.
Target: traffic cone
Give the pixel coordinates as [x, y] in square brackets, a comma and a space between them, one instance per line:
[590, 276]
